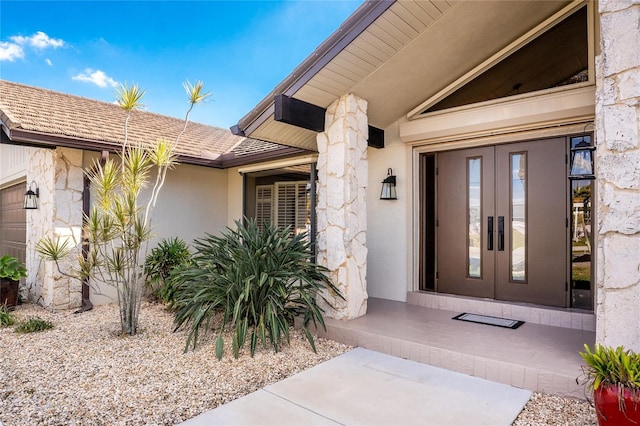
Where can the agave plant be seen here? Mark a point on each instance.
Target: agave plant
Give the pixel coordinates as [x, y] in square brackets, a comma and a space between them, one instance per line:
[258, 281]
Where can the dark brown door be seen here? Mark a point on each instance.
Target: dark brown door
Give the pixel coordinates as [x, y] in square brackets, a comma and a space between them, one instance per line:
[501, 230]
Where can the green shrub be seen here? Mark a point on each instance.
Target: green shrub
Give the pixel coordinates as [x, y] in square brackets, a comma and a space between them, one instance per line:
[258, 281]
[34, 324]
[169, 254]
[6, 317]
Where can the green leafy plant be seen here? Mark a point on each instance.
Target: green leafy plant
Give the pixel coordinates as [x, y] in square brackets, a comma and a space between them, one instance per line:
[617, 367]
[11, 268]
[34, 324]
[6, 317]
[166, 256]
[257, 281]
[118, 226]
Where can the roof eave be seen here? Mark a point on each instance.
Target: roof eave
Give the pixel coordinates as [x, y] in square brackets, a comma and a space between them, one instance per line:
[359, 21]
[44, 140]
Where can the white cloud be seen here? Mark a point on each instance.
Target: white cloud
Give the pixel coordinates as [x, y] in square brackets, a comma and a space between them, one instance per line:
[10, 51]
[48, 61]
[39, 40]
[97, 77]
[14, 49]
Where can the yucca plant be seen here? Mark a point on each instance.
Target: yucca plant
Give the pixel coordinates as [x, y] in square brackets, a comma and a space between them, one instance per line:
[118, 226]
[257, 282]
[167, 255]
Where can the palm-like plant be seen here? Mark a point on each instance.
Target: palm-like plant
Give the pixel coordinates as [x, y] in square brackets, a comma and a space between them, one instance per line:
[118, 226]
[258, 281]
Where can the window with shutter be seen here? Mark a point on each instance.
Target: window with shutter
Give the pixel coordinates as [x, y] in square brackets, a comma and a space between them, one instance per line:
[264, 205]
[293, 206]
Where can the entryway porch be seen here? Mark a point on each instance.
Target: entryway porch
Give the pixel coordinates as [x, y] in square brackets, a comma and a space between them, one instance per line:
[542, 355]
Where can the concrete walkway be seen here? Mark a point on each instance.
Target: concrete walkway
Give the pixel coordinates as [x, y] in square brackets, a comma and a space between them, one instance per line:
[363, 387]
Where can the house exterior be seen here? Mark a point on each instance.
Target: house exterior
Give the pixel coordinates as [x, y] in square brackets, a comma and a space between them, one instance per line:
[50, 138]
[474, 107]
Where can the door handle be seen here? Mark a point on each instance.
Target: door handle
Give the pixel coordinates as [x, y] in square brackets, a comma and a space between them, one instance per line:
[490, 233]
[500, 233]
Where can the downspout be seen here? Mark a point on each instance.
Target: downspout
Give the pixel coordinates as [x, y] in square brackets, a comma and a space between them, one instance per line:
[86, 207]
[86, 211]
[312, 189]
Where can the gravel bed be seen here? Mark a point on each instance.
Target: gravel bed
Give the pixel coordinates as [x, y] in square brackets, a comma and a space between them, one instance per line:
[84, 373]
[556, 411]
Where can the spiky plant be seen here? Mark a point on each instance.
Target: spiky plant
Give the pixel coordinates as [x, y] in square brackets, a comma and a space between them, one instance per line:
[118, 226]
[258, 282]
[167, 255]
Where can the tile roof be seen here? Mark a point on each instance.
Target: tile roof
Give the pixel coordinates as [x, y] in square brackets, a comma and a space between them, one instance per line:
[101, 125]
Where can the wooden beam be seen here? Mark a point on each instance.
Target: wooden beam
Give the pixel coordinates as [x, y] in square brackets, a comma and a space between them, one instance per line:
[376, 137]
[311, 117]
[299, 113]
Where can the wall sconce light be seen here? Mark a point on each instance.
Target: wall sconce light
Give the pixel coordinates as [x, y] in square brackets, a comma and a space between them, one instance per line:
[31, 197]
[582, 166]
[389, 187]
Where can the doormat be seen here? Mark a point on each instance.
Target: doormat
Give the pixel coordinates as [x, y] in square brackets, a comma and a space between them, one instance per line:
[484, 319]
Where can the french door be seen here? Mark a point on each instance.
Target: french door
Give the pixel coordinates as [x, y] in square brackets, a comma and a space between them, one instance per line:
[502, 222]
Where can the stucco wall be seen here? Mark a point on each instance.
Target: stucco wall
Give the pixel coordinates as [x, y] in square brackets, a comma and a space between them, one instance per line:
[389, 262]
[234, 196]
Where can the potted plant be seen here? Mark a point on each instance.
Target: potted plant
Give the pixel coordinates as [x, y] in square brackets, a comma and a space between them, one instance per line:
[613, 375]
[11, 270]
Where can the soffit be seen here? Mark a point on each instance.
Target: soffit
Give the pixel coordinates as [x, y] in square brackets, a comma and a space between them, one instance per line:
[410, 52]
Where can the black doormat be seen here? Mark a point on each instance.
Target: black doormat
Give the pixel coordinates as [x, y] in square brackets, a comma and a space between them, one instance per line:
[484, 319]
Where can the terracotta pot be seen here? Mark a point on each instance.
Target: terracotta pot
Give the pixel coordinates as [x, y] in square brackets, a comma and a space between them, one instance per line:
[608, 406]
[8, 292]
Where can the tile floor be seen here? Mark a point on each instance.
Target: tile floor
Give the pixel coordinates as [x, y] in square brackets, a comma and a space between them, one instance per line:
[539, 357]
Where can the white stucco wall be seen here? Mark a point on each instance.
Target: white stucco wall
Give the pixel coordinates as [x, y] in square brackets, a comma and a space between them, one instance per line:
[192, 201]
[234, 196]
[389, 261]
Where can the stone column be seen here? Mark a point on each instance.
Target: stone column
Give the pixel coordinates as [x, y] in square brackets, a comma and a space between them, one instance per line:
[618, 171]
[341, 207]
[59, 175]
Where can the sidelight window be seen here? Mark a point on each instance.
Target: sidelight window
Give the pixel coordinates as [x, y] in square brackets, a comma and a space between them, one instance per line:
[474, 217]
[518, 204]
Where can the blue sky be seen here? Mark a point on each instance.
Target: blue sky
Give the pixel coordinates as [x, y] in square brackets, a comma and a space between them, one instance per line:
[240, 49]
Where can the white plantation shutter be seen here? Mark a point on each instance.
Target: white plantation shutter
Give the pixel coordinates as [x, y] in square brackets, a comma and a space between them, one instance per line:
[264, 205]
[292, 206]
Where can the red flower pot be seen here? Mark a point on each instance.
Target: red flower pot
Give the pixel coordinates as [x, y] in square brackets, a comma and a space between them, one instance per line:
[608, 406]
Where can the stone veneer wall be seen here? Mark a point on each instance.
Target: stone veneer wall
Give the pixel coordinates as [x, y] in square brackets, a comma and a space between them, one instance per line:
[59, 176]
[341, 207]
[618, 171]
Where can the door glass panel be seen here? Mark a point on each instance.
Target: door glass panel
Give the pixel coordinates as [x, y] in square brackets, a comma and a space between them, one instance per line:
[474, 212]
[518, 201]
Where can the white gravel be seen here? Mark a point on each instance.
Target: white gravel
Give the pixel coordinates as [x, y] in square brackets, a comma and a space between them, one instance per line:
[83, 373]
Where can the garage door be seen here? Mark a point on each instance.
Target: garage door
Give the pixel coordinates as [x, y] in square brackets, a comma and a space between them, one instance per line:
[13, 222]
